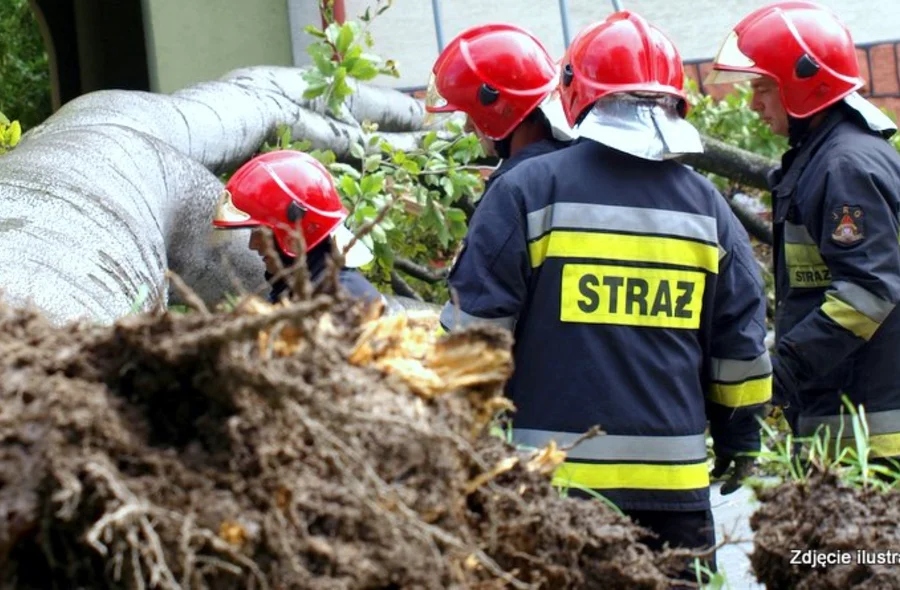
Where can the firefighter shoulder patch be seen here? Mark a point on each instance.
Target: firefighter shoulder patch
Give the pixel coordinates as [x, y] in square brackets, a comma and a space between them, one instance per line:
[849, 225]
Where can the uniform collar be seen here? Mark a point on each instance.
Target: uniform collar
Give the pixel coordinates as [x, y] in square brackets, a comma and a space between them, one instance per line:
[784, 180]
[544, 146]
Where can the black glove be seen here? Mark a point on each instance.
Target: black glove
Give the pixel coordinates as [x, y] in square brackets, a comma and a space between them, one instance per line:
[785, 383]
[743, 467]
[779, 395]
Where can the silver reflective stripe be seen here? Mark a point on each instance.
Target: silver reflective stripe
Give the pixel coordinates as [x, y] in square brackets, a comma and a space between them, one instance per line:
[588, 216]
[614, 447]
[886, 422]
[453, 318]
[732, 371]
[797, 234]
[863, 301]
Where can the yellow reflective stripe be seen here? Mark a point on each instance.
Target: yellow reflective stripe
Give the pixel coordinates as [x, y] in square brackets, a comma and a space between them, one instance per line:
[806, 268]
[880, 445]
[738, 395]
[885, 445]
[632, 248]
[802, 255]
[849, 318]
[640, 476]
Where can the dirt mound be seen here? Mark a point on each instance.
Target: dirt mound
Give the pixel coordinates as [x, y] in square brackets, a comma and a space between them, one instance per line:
[840, 537]
[281, 447]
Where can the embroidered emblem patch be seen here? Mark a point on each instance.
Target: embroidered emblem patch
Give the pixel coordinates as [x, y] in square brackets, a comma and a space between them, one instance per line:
[848, 225]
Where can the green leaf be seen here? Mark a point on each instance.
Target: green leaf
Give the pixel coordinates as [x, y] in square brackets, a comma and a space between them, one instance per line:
[351, 57]
[332, 32]
[373, 162]
[457, 220]
[366, 213]
[454, 127]
[315, 32]
[429, 139]
[284, 136]
[412, 167]
[439, 145]
[373, 140]
[363, 70]
[454, 214]
[327, 157]
[344, 39]
[378, 234]
[341, 168]
[357, 151]
[349, 186]
[447, 185]
[323, 57]
[341, 89]
[372, 184]
[314, 91]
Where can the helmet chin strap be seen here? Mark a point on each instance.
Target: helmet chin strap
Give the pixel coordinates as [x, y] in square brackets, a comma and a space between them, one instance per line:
[503, 146]
[798, 129]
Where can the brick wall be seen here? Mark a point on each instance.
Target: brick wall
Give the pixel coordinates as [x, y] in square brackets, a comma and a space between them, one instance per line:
[878, 64]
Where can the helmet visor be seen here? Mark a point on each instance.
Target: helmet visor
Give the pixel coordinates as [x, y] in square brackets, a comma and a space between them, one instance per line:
[437, 110]
[731, 64]
[228, 215]
[434, 102]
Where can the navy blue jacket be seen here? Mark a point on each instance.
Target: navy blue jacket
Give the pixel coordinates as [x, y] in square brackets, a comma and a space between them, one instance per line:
[636, 305]
[316, 259]
[837, 263]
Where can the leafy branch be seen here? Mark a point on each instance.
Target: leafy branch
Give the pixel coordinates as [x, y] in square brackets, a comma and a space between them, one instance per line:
[340, 53]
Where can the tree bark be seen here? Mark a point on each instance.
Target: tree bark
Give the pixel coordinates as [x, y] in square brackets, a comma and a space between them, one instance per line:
[118, 186]
[739, 165]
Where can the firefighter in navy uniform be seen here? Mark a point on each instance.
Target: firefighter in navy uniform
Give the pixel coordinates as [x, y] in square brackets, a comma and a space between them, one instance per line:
[284, 190]
[502, 77]
[836, 205]
[631, 290]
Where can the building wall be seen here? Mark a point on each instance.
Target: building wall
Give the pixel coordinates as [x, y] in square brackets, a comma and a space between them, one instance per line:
[198, 40]
[407, 31]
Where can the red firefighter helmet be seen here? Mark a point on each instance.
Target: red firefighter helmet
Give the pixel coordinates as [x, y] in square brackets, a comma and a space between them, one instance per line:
[497, 74]
[802, 46]
[622, 54]
[281, 190]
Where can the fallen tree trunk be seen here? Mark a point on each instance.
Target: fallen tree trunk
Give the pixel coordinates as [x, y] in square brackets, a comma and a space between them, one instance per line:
[99, 201]
[122, 196]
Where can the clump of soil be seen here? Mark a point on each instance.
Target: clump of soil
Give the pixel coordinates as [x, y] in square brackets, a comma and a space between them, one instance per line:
[298, 446]
[826, 519]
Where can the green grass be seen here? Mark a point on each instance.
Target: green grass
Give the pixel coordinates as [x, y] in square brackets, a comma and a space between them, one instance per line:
[850, 457]
[713, 580]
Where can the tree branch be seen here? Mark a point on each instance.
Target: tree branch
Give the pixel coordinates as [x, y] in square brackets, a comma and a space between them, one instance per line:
[403, 288]
[420, 272]
[756, 226]
[733, 163]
